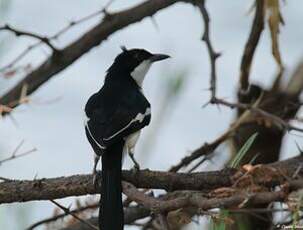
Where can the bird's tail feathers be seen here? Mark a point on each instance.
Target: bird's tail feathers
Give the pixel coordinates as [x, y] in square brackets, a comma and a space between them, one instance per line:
[111, 208]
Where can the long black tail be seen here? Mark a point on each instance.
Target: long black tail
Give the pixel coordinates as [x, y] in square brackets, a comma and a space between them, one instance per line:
[111, 208]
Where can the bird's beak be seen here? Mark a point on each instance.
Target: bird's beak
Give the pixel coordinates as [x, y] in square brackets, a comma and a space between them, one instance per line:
[158, 57]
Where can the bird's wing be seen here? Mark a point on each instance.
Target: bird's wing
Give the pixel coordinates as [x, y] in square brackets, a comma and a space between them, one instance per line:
[132, 114]
[107, 125]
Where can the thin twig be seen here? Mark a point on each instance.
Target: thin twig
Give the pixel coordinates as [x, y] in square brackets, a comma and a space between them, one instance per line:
[212, 54]
[53, 37]
[76, 22]
[92, 38]
[62, 215]
[204, 150]
[14, 154]
[68, 212]
[275, 119]
[208, 148]
[18, 33]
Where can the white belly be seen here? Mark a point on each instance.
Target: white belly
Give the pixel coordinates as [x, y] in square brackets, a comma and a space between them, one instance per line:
[131, 140]
[130, 143]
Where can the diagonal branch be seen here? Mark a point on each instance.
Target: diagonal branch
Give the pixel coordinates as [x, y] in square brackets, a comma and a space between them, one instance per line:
[94, 37]
[53, 37]
[62, 215]
[131, 214]
[68, 212]
[204, 150]
[18, 32]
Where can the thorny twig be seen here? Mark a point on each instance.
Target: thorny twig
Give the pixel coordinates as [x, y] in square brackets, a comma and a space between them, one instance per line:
[212, 54]
[68, 212]
[204, 150]
[48, 39]
[208, 148]
[62, 215]
[92, 38]
[14, 154]
[43, 39]
[275, 119]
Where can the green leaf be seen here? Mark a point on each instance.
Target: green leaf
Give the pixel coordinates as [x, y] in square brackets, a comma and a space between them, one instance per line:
[239, 156]
[219, 224]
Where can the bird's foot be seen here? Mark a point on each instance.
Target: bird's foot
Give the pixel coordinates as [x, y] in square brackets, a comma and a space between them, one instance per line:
[95, 176]
[135, 169]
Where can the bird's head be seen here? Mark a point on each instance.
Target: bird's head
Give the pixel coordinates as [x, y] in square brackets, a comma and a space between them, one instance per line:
[134, 63]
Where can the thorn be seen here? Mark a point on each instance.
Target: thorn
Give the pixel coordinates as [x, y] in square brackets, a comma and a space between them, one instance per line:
[155, 24]
[205, 104]
[299, 148]
[218, 54]
[203, 37]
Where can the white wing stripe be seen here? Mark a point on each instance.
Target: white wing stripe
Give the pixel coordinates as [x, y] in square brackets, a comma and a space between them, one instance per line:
[140, 117]
[91, 135]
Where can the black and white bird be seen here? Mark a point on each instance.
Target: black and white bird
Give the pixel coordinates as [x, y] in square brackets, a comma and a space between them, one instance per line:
[115, 116]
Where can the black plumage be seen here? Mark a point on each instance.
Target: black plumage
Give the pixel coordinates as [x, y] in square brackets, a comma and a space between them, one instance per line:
[116, 111]
[113, 110]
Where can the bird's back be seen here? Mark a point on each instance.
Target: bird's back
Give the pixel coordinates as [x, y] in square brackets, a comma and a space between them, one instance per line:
[113, 108]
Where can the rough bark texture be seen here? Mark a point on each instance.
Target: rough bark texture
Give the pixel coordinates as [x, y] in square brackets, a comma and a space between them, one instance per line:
[77, 185]
[61, 59]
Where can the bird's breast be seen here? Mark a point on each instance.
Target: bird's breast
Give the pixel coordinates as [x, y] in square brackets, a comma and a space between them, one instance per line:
[131, 140]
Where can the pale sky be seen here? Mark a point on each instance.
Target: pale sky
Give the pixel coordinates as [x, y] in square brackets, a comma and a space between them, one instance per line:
[56, 128]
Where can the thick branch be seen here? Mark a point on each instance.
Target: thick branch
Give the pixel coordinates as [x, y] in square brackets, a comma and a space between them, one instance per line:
[77, 185]
[59, 61]
[196, 199]
[251, 44]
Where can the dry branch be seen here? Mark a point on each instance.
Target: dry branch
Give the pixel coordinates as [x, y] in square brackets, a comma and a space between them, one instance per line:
[198, 200]
[211, 52]
[77, 185]
[62, 215]
[68, 212]
[18, 32]
[68, 55]
[279, 122]
[251, 44]
[204, 150]
[131, 214]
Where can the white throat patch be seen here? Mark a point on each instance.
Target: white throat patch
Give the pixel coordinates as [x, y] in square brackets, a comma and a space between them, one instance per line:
[140, 71]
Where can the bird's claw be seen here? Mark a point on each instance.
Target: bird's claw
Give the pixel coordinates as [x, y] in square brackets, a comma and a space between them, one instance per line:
[95, 179]
[95, 176]
[135, 169]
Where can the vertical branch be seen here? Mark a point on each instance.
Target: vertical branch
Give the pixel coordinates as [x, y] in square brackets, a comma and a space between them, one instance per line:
[251, 44]
[212, 54]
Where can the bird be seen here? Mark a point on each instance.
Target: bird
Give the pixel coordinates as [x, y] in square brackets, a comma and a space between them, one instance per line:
[115, 116]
